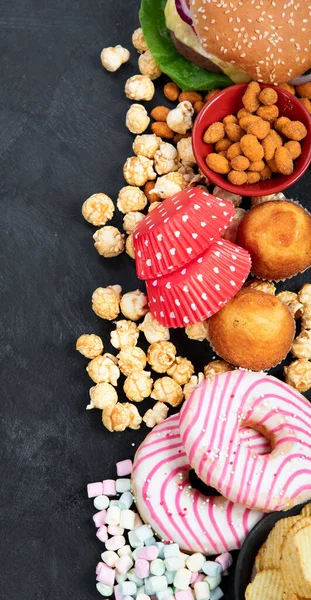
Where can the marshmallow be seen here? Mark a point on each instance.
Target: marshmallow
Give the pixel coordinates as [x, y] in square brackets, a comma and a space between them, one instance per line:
[202, 590]
[155, 584]
[133, 577]
[114, 503]
[128, 588]
[157, 567]
[213, 582]
[110, 558]
[184, 594]
[216, 594]
[138, 521]
[225, 560]
[200, 577]
[134, 541]
[143, 532]
[150, 541]
[108, 487]
[160, 547]
[169, 575]
[124, 564]
[100, 518]
[142, 568]
[141, 591]
[101, 502]
[171, 550]
[167, 595]
[102, 533]
[195, 562]
[128, 598]
[124, 467]
[142, 596]
[117, 594]
[126, 500]
[174, 563]
[113, 515]
[105, 574]
[182, 579]
[149, 552]
[193, 577]
[120, 577]
[94, 489]
[123, 485]
[125, 550]
[127, 519]
[211, 568]
[104, 590]
[115, 543]
[115, 530]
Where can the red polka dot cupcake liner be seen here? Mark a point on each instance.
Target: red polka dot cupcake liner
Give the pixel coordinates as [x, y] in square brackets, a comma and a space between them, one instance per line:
[178, 231]
[201, 288]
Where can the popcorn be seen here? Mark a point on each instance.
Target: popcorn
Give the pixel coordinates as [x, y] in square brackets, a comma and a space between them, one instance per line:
[153, 331]
[134, 305]
[301, 347]
[146, 145]
[304, 297]
[106, 302]
[180, 118]
[89, 345]
[131, 199]
[260, 199]
[217, 366]
[109, 242]
[193, 382]
[138, 41]
[298, 374]
[155, 415]
[153, 206]
[131, 358]
[185, 151]
[138, 170]
[148, 66]
[112, 58]
[103, 370]
[138, 386]
[129, 246]
[125, 334]
[104, 397]
[137, 119]
[123, 416]
[161, 356]
[224, 195]
[291, 300]
[166, 159]
[167, 390]
[98, 209]
[181, 370]
[198, 331]
[262, 286]
[139, 87]
[131, 220]
[169, 185]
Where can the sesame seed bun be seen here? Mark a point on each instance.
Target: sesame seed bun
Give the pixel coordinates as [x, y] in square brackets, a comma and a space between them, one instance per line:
[270, 40]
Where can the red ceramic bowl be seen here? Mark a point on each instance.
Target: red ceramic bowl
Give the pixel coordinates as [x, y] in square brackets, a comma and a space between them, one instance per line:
[229, 101]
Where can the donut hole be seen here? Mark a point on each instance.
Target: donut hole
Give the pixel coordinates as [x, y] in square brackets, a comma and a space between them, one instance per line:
[256, 438]
[199, 485]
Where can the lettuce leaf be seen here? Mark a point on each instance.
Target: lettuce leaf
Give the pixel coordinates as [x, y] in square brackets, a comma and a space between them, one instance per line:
[187, 75]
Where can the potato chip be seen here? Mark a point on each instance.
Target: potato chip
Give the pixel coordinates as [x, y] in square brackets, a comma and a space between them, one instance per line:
[270, 553]
[267, 585]
[306, 511]
[295, 558]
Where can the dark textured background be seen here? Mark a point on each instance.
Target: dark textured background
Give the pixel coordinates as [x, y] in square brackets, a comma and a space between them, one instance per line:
[62, 138]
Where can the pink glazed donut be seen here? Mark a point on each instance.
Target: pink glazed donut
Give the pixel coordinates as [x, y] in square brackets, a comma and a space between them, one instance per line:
[176, 511]
[210, 424]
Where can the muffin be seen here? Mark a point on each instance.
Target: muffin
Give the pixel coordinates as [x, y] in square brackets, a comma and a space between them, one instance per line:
[254, 330]
[277, 235]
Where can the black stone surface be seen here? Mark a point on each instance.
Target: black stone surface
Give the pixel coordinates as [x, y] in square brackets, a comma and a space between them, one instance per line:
[62, 138]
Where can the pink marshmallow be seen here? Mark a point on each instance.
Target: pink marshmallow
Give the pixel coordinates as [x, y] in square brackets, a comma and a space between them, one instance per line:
[124, 467]
[109, 487]
[98, 567]
[148, 552]
[184, 595]
[100, 518]
[200, 577]
[193, 577]
[102, 533]
[117, 594]
[106, 575]
[142, 568]
[94, 489]
[225, 560]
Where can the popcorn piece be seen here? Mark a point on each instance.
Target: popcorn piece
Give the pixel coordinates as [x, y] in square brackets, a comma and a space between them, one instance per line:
[98, 209]
[169, 184]
[109, 242]
[139, 87]
[198, 331]
[298, 374]
[291, 300]
[90, 345]
[304, 296]
[161, 356]
[153, 206]
[155, 415]
[217, 366]
[134, 305]
[123, 416]
[180, 118]
[125, 334]
[167, 390]
[194, 381]
[131, 359]
[103, 370]
[131, 220]
[146, 145]
[153, 331]
[231, 231]
[112, 58]
[129, 246]
[106, 302]
[166, 159]
[260, 199]
[185, 151]
[148, 66]
[104, 397]
[138, 41]
[181, 370]
[131, 199]
[138, 386]
[138, 170]
[262, 286]
[301, 347]
[224, 195]
[188, 174]
[137, 119]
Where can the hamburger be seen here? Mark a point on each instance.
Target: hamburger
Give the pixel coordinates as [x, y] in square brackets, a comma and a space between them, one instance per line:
[202, 44]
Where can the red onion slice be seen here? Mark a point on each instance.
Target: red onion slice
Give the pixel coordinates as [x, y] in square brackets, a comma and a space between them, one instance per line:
[184, 11]
[302, 79]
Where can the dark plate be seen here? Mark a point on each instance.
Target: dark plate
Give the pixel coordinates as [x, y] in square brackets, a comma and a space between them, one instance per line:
[252, 545]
